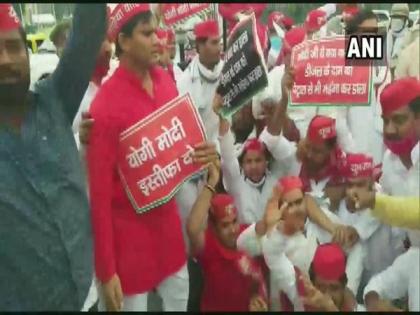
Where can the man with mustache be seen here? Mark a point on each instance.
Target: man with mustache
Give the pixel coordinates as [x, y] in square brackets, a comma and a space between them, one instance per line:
[45, 244]
[400, 177]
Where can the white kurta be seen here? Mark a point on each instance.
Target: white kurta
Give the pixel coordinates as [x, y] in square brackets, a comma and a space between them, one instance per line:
[396, 180]
[249, 200]
[403, 275]
[355, 255]
[380, 247]
[399, 279]
[202, 94]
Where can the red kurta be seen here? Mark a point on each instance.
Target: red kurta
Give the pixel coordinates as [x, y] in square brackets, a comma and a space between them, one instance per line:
[142, 249]
[226, 288]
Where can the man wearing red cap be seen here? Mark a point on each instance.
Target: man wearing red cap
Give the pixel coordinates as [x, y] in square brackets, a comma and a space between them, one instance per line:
[233, 281]
[400, 106]
[336, 25]
[45, 235]
[232, 12]
[279, 238]
[295, 206]
[201, 78]
[129, 258]
[381, 244]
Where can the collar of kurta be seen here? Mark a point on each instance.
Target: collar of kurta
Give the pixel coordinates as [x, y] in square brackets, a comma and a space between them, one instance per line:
[127, 74]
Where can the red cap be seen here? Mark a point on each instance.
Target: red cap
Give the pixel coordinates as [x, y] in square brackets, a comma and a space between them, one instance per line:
[398, 94]
[123, 13]
[321, 128]
[329, 262]
[292, 38]
[222, 206]
[315, 20]
[229, 10]
[262, 35]
[209, 28]
[289, 183]
[9, 20]
[349, 12]
[358, 165]
[254, 145]
[274, 17]
[287, 22]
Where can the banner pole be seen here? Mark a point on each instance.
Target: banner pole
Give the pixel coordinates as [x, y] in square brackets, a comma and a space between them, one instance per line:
[224, 34]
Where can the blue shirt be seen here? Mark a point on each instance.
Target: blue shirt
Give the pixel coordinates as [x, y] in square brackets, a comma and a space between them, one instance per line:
[46, 258]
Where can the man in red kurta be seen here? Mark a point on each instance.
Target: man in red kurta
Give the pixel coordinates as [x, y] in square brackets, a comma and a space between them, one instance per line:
[233, 281]
[134, 253]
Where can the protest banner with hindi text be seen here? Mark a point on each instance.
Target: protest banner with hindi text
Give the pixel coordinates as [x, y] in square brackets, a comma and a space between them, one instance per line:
[155, 154]
[244, 72]
[178, 12]
[323, 77]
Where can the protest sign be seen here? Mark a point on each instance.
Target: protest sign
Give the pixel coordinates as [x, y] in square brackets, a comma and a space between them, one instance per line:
[244, 72]
[179, 12]
[322, 76]
[155, 154]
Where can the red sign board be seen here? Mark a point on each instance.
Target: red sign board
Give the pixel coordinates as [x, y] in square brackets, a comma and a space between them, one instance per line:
[322, 76]
[177, 12]
[154, 157]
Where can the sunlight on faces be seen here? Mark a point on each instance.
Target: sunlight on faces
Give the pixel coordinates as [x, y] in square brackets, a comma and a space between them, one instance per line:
[356, 185]
[398, 124]
[142, 45]
[254, 165]
[14, 67]
[227, 230]
[295, 214]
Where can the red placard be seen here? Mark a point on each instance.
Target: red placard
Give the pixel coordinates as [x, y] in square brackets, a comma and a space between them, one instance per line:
[322, 76]
[176, 12]
[154, 157]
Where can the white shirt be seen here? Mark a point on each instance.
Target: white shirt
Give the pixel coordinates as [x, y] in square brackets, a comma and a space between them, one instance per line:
[202, 94]
[40, 64]
[403, 275]
[399, 279]
[396, 180]
[380, 247]
[249, 200]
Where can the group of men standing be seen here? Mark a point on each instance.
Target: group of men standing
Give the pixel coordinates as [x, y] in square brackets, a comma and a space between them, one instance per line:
[287, 215]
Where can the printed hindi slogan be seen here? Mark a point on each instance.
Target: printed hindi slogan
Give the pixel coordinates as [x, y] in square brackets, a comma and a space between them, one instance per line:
[177, 12]
[322, 76]
[155, 154]
[244, 73]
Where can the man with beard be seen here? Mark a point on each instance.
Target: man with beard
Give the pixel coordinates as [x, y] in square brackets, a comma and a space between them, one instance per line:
[401, 178]
[45, 231]
[134, 253]
[381, 244]
[233, 281]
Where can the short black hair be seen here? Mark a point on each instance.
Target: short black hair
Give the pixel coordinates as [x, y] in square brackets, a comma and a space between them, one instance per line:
[128, 28]
[343, 279]
[414, 105]
[352, 26]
